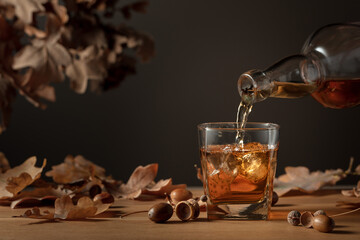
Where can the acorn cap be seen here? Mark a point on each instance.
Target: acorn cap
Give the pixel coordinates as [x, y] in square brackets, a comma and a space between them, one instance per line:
[307, 219]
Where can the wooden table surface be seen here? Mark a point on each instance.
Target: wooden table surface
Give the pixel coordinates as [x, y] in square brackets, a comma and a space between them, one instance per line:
[138, 226]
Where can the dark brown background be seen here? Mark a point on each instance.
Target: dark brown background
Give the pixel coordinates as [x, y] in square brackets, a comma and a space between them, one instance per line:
[202, 48]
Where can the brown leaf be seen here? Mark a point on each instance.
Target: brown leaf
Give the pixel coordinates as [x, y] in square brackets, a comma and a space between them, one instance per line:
[300, 178]
[348, 193]
[162, 187]
[81, 69]
[45, 57]
[74, 169]
[24, 9]
[38, 197]
[36, 213]
[357, 169]
[16, 179]
[139, 179]
[65, 209]
[60, 11]
[4, 163]
[141, 183]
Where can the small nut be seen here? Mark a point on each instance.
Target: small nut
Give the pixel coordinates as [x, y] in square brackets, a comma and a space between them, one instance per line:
[294, 218]
[319, 212]
[196, 208]
[275, 198]
[323, 223]
[104, 198]
[203, 198]
[180, 194]
[160, 212]
[307, 219]
[184, 210]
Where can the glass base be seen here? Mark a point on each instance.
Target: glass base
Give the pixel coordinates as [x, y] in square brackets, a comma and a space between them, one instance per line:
[251, 211]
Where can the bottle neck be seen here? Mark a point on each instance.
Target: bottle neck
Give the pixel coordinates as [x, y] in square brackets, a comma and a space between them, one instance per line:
[291, 77]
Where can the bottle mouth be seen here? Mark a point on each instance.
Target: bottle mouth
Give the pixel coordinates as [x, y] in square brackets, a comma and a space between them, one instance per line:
[247, 87]
[254, 86]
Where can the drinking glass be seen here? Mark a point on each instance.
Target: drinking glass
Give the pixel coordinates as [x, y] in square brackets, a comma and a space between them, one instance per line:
[238, 168]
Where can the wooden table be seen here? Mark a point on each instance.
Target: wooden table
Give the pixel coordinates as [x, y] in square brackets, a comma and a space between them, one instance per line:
[139, 227]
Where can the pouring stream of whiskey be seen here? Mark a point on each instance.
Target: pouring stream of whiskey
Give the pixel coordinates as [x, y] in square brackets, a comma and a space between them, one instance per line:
[242, 115]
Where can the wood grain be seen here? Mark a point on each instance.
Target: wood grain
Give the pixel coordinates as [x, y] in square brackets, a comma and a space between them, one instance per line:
[137, 226]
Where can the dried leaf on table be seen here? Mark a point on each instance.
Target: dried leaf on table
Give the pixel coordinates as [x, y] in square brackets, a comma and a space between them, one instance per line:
[300, 178]
[75, 169]
[141, 182]
[36, 213]
[66, 210]
[16, 179]
[139, 179]
[38, 197]
[355, 192]
[161, 187]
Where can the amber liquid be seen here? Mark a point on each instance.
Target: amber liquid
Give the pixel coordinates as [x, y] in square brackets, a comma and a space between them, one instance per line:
[237, 174]
[338, 93]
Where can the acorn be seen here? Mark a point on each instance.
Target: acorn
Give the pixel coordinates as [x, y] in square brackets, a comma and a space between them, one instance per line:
[319, 212]
[294, 217]
[160, 212]
[323, 223]
[307, 219]
[180, 194]
[186, 210]
[275, 198]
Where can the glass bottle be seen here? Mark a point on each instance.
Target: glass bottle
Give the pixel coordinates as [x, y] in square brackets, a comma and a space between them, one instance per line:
[328, 68]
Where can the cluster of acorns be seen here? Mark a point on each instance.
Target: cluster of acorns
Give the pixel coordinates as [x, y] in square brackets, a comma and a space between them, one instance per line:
[181, 201]
[319, 220]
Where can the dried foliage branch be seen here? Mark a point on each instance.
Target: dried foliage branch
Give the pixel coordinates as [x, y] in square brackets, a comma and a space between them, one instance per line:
[47, 41]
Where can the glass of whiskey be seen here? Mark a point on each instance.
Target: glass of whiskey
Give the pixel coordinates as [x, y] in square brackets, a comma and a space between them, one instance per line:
[238, 168]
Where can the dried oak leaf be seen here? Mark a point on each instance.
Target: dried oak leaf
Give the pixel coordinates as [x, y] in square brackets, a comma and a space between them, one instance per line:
[75, 169]
[85, 207]
[355, 192]
[161, 187]
[45, 58]
[66, 210]
[141, 182]
[36, 213]
[24, 9]
[357, 169]
[139, 179]
[38, 197]
[300, 178]
[86, 65]
[16, 179]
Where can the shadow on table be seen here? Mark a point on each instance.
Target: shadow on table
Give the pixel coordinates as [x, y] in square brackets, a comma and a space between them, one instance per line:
[322, 192]
[99, 218]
